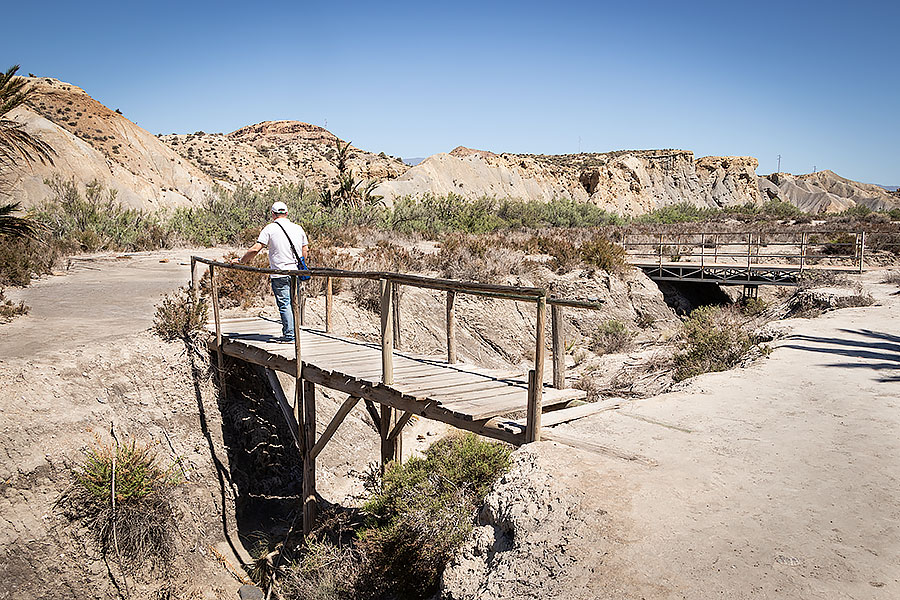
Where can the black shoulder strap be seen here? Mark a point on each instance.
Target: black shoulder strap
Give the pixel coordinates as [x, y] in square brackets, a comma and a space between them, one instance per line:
[296, 255]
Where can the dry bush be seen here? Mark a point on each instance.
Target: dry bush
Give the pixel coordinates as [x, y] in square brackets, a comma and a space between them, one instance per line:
[123, 493]
[325, 572]
[384, 256]
[9, 310]
[178, 316]
[484, 258]
[611, 336]
[21, 258]
[241, 288]
[892, 277]
[604, 254]
[712, 339]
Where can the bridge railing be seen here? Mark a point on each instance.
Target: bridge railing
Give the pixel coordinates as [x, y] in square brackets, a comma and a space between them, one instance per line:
[390, 317]
[745, 249]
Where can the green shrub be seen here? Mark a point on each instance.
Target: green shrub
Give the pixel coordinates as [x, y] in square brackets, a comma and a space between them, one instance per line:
[178, 316]
[753, 307]
[418, 517]
[611, 337]
[712, 339]
[139, 525]
[424, 512]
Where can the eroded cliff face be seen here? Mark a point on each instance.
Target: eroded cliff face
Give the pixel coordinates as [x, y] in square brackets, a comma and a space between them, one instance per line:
[630, 182]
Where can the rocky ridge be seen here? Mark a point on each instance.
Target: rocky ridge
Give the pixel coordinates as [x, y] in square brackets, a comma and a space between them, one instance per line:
[630, 182]
[277, 153]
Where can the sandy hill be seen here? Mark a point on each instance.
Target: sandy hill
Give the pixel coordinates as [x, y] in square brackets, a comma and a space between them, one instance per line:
[93, 142]
[278, 152]
[826, 191]
[627, 182]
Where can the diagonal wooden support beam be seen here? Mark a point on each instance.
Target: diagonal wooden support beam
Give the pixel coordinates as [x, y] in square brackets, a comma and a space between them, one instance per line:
[373, 412]
[401, 423]
[336, 421]
[286, 409]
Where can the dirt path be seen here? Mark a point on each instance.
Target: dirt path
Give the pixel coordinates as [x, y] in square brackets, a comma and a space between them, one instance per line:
[101, 297]
[781, 480]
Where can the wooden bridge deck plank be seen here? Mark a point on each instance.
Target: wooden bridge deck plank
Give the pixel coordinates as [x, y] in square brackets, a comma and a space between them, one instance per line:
[469, 393]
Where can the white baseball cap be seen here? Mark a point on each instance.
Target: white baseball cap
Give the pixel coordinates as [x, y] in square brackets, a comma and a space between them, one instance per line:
[279, 207]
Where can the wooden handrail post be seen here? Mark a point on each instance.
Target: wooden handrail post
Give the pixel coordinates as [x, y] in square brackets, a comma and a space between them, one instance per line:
[301, 292]
[329, 301]
[451, 327]
[195, 282]
[214, 287]
[716, 248]
[558, 343]
[862, 249]
[298, 362]
[395, 312]
[387, 335]
[803, 238]
[310, 502]
[536, 385]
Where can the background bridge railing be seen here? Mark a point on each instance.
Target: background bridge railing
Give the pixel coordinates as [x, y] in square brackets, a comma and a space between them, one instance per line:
[390, 318]
[801, 249]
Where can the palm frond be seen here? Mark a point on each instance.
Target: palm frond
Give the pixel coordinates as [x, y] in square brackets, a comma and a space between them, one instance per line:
[16, 227]
[15, 143]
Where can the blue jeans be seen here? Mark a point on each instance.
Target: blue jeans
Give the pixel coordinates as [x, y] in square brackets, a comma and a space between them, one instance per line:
[281, 287]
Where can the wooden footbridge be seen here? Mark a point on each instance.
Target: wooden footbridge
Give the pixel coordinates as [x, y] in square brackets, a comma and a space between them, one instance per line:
[741, 258]
[394, 385]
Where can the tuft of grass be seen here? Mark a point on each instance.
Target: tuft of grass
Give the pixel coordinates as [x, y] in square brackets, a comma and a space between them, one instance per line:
[713, 338]
[178, 316]
[133, 518]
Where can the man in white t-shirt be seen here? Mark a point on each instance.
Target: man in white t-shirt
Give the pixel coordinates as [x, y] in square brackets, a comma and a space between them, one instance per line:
[283, 239]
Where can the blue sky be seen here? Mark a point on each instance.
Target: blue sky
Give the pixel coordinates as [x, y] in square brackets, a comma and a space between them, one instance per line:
[817, 83]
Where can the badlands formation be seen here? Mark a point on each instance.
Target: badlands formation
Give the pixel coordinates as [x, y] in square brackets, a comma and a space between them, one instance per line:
[93, 142]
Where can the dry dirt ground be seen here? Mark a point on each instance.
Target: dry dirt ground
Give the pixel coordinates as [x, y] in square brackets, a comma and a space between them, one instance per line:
[779, 480]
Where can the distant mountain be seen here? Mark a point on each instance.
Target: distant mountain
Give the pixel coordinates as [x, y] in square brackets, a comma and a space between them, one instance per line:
[825, 191]
[414, 161]
[890, 188]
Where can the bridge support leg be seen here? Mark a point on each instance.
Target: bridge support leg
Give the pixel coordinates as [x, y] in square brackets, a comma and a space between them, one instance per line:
[310, 502]
[391, 445]
[750, 291]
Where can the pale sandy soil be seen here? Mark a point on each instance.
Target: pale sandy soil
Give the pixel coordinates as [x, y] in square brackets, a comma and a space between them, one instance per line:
[780, 480]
